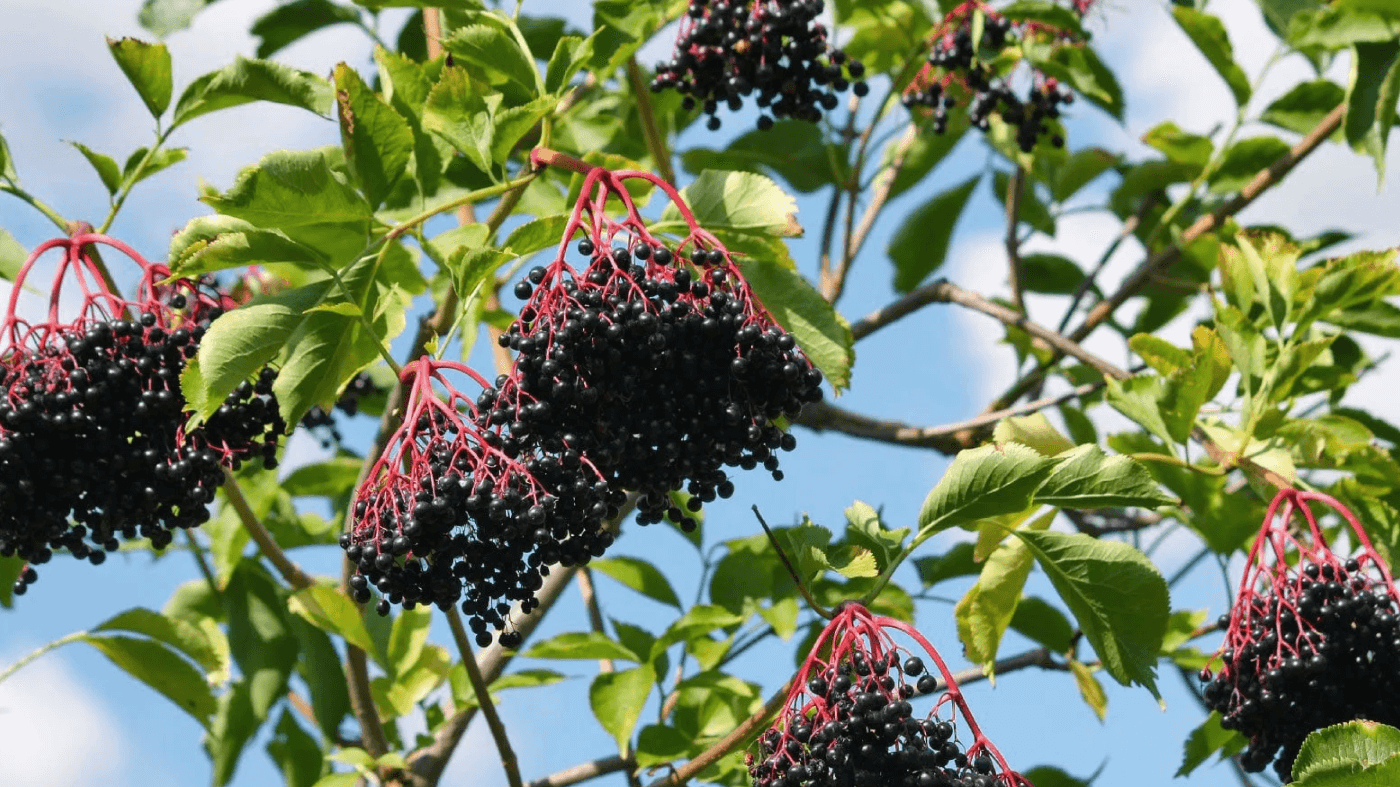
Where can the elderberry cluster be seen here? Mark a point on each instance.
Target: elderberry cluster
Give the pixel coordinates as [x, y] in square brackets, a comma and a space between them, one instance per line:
[322, 423]
[476, 520]
[1321, 648]
[865, 733]
[94, 437]
[659, 373]
[962, 64]
[730, 49]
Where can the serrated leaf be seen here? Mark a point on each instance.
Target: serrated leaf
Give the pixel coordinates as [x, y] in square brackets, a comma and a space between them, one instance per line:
[377, 140]
[1118, 597]
[457, 112]
[824, 336]
[1090, 688]
[243, 248]
[984, 613]
[537, 234]
[1206, 740]
[159, 161]
[106, 166]
[640, 576]
[1086, 477]
[1302, 108]
[513, 123]
[245, 81]
[864, 527]
[920, 244]
[1139, 398]
[1208, 34]
[1371, 98]
[984, 482]
[147, 68]
[260, 636]
[494, 50]
[743, 202]
[328, 609]
[286, 24]
[159, 667]
[187, 637]
[1033, 431]
[581, 645]
[617, 699]
[1037, 620]
[1354, 754]
[570, 54]
[290, 190]
[1244, 160]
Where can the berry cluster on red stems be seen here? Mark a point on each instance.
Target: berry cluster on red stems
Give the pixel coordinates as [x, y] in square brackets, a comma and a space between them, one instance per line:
[452, 512]
[1313, 638]
[727, 50]
[849, 720]
[655, 362]
[322, 423]
[959, 67]
[95, 441]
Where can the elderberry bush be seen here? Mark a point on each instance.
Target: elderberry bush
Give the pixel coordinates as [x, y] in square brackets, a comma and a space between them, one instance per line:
[661, 373]
[1319, 645]
[850, 720]
[728, 50]
[959, 67]
[454, 514]
[95, 442]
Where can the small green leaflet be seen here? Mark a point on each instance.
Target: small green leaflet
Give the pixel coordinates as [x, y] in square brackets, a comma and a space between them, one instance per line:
[824, 336]
[984, 482]
[147, 67]
[736, 202]
[1086, 477]
[617, 699]
[1355, 754]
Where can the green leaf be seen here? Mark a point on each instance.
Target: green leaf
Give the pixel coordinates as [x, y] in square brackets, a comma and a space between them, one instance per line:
[246, 81]
[984, 482]
[295, 752]
[1206, 740]
[293, 21]
[1088, 478]
[1080, 169]
[182, 635]
[242, 248]
[1118, 597]
[164, 17]
[1178, 145]
[570, 55]
[106, 167]
[147, 67]
[581, 645]
[1047, 776]
[617, 699]
[956, 562]
[537, 234]
[698, 620]
[512, 124]
[234, 724]
[822, 334]
[1138, 398]
[865, 528]
[1033, 431]
[1208, 34]
[1051, 274]
[1302, 108]
[9, 572]
[1081, 68]
[1354, 754]
[159, 667]
[641, 576]
[1244, 160]
[377, 140]
[1036, 620]
[1090, 688]
[291, 190]
[160, 160]
[240, 343]
[331, 611]
[260, 635]
[742, 202]
[457, 112]
[319, 666]
[471, 268]
[986, 610]
[399, 696]
[1342, 24]
[920, 244]
[795, 150]
[1371, 97]
[496, 52]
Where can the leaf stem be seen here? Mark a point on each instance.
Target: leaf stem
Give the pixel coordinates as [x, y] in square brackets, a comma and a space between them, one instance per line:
[656, 142]
[469, 198]
[130, 183]
[35, 203]
[55, 645]
[1164, 459]
[483, 698]
[1014, 191]
[792, 570]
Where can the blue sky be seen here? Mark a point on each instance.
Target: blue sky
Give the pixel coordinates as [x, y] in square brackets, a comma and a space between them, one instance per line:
[73, 718]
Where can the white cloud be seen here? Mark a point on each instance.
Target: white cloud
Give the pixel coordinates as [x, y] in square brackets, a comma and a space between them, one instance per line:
[55, 731]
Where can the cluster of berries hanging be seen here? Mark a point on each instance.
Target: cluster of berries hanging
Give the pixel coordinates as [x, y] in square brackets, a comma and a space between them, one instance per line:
[727, 50]
[322, 422]
[656, 362]
[960, 69]
[95, 441]
[1313, 638]
[648, 367]
[450, 503]
[849, 720]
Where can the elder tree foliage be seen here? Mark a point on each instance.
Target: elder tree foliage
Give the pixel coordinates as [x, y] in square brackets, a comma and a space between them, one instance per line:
[653, 338]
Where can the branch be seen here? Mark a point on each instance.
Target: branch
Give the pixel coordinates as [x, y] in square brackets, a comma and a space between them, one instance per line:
[1013, 242]
[585, 772]
[483, 698]
[821, 416]
[290, 571]
[656, 142]
[1129, 227]
[879, 195]
[595, 614]
[1098, 524]
[1263, 181]
[728, 743]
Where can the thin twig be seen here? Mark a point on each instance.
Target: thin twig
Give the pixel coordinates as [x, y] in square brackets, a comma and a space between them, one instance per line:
[290, 571]
[589, 593]
[483, 698]
[1015, 276]
[792, 570]
[656, 141]
[1098, 524]
[585, 772]
[204, 570]
[821, 416]
[880, 191]
[1129, 227]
